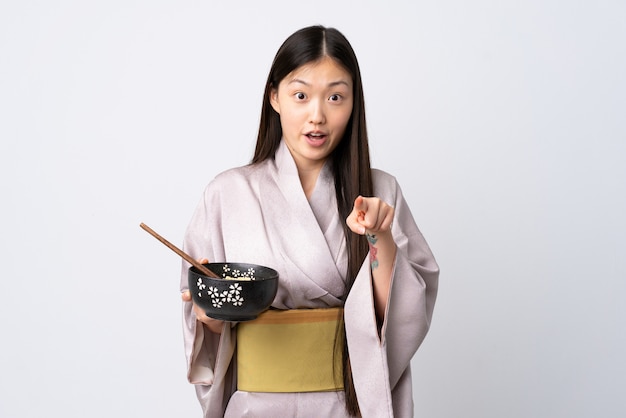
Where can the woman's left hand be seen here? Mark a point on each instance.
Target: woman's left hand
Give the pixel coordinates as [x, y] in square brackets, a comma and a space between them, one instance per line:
[370, 214]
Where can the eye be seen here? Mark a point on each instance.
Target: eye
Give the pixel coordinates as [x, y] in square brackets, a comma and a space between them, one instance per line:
[334, 98]
[300, 96]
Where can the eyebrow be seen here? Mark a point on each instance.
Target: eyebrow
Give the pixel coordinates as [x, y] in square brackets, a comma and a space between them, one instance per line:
[332, 84]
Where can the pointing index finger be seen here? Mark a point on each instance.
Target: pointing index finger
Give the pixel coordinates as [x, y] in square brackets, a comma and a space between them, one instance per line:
[360, 207]
[360, 204]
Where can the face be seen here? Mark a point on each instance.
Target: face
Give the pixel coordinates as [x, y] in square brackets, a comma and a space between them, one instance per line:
[314, 103]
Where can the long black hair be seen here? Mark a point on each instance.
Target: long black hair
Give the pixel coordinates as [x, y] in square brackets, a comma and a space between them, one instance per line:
[350, 160]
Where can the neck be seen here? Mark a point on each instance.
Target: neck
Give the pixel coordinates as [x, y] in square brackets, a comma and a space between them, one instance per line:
[308, 179]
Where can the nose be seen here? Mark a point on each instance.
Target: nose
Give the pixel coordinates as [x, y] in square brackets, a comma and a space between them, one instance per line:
[317, 115]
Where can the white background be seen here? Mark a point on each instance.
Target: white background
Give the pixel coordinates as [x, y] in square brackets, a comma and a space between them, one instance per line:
[503, 121]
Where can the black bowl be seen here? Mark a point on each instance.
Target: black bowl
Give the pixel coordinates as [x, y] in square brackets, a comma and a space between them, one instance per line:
[241, 293]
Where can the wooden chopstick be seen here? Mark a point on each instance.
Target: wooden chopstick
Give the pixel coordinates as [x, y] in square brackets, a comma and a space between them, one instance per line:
[181, 253]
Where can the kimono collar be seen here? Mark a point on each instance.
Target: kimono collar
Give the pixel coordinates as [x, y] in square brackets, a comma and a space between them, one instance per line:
[316, 243]
[285, 164]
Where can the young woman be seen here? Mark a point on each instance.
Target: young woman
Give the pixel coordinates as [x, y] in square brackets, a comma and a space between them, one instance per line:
[342, 238]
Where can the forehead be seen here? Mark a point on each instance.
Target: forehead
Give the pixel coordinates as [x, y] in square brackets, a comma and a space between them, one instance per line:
[321, 72]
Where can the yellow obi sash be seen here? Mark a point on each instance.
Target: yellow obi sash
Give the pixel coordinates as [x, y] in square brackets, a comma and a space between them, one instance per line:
[290, 351]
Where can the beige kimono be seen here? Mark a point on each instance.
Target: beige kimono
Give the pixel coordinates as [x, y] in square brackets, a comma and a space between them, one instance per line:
[260, 214]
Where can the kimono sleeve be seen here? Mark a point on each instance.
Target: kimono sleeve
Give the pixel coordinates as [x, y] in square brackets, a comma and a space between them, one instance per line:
[208, 354]
[413, 292]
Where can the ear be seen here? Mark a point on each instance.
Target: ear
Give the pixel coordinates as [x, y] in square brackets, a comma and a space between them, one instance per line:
[274, 100]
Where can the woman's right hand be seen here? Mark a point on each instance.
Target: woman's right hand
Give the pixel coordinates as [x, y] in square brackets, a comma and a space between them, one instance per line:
[214, 325]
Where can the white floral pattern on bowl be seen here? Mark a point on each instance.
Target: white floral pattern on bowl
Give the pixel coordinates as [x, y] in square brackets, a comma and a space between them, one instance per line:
[233, 294]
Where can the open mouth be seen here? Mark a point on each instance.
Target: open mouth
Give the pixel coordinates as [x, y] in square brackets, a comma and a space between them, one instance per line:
[316, 137]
